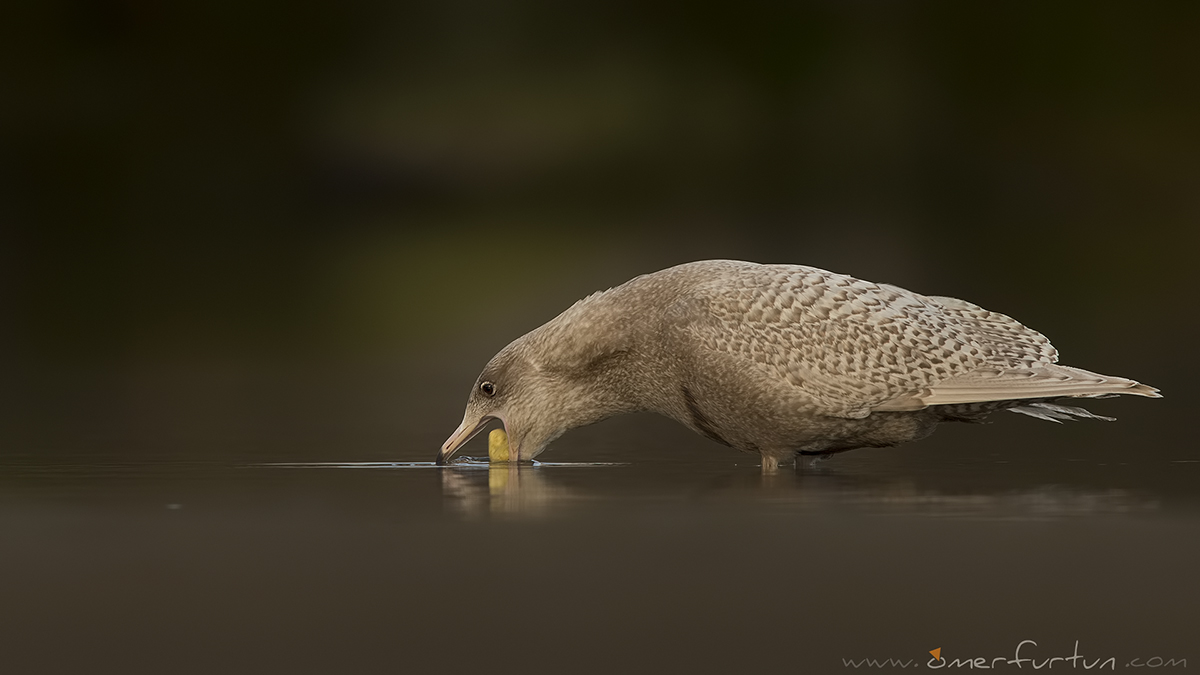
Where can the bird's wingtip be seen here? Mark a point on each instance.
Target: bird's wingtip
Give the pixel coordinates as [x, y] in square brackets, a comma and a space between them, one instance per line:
[1145, 390]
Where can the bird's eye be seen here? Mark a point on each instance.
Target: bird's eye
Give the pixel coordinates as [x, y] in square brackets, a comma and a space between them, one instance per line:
[488, 389]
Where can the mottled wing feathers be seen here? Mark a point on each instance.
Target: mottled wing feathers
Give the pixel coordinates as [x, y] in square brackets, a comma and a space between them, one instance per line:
[1007, 341]
[852, 346]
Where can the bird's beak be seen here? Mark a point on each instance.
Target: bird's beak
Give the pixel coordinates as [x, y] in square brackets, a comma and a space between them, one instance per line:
[465, 432]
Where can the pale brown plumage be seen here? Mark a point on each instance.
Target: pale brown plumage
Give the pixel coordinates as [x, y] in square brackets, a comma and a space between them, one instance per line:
[774, 360]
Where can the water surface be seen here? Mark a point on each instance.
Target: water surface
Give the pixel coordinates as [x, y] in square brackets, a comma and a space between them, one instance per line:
[654, 564]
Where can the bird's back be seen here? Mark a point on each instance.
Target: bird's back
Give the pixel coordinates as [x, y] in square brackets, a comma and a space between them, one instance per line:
[844, 347]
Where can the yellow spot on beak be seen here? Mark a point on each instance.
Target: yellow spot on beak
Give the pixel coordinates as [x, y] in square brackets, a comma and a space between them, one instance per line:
[498, 446]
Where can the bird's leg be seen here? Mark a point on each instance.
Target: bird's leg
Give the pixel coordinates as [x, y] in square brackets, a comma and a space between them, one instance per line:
[812, 460]
[818, 460]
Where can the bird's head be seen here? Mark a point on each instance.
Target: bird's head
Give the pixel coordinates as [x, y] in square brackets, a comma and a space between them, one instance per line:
[516, 391]
[566, 374]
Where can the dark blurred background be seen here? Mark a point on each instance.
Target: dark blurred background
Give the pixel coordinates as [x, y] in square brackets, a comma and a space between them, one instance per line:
[271, 230]
[244, 232]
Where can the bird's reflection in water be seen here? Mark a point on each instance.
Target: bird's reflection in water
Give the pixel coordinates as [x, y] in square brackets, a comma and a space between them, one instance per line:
[817, 488]
[502, 489]
[535, 491]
